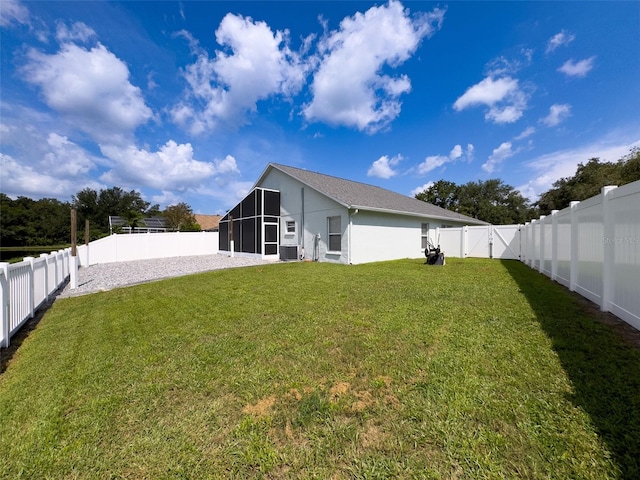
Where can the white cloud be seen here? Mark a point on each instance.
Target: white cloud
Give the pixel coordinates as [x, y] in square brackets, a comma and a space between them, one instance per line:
[503, 66]
[78, 32]
[498, 156]
[13, 12]
[349, 88]
[434, 161]
[172, 167]
[18, 178]
[527, 132]
[383, 167]
[226, 88]
[577, 69]
[166, 198]
[456, 152]
[557, 114]
[503, 96]
[226, 165]
[44, 164]
[421, 189]
[559, 39]
[90, 88]
[66, 159]
[548, 168]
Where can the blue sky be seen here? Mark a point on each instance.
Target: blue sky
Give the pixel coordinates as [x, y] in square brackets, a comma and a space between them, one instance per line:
[189, 101]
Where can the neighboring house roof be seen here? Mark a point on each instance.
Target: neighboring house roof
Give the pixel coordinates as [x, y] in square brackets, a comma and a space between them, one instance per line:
[368, 197]
[208, 222]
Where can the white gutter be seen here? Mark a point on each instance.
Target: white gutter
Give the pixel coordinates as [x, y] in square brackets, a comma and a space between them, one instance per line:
[420, 215]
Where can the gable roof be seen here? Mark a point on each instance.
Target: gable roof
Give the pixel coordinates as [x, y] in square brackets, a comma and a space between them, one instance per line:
[356, 195]
[207, 222]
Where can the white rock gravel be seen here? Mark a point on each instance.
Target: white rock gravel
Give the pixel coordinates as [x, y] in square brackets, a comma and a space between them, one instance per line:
[107, 276]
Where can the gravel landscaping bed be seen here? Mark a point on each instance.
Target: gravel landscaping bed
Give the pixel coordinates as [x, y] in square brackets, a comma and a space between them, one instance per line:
[107, 276]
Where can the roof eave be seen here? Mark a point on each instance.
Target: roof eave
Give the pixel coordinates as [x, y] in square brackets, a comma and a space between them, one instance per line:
[416, 214]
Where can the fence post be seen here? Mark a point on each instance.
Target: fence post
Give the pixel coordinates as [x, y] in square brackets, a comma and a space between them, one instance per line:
[554, 244]
[463, 242]
[4, 307]
[541, 245]
[573, 272]
[524, 234]
[32, 286]
[46, 276]
[609, 246]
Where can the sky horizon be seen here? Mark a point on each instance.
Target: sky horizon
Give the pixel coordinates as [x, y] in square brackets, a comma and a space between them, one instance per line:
[189, 101]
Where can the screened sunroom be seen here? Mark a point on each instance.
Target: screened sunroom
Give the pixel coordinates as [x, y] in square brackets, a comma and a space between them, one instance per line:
[252, 227]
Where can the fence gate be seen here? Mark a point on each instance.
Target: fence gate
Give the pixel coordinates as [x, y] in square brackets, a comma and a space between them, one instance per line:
[478, 239]
[506, 242]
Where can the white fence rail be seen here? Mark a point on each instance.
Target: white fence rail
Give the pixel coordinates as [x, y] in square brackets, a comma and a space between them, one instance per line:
[591, 247]
[26, 285]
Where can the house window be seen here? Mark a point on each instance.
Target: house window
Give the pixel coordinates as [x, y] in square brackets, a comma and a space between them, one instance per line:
[335, 234]
[425, 235]
[290, 227]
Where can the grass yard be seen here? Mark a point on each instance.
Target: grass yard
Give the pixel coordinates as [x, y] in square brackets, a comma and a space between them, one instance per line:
[479, 369]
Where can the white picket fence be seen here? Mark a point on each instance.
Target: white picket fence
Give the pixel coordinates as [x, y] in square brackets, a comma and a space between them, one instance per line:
[591, 247]
[26, 286]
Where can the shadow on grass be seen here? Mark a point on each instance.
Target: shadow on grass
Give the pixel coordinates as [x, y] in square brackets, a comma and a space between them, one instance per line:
[603, 367]
[6, 354]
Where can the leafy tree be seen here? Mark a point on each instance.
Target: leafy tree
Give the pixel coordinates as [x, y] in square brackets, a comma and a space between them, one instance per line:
[98, 206]
[589, 180]
[491, 201]
[442, 194]
[180, 217]
[26, 222]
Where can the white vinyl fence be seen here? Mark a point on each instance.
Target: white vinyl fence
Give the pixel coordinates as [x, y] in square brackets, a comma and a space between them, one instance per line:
[591, 247]
[26, 285]
[144, 246]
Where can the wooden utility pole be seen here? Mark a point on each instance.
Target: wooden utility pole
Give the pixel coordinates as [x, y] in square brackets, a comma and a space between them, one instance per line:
[86, 232]
[74, 232]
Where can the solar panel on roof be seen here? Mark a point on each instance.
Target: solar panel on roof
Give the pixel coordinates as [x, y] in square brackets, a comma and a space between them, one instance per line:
[116, 221]
[154, 222]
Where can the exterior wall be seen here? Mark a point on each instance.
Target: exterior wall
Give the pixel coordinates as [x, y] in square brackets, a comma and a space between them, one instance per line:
[317, 208]
[378, 236]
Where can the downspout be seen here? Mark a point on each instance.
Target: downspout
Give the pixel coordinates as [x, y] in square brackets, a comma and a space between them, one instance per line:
[302, 231]
[351, 215]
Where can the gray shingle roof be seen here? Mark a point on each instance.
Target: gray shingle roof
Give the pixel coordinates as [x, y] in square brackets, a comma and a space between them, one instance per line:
[369, 197]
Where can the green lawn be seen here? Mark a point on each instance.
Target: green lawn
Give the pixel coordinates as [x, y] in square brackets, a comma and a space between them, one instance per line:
[479, 369]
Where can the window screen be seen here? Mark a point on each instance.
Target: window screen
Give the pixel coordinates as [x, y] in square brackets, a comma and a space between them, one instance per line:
[425, 234]
[335, 234]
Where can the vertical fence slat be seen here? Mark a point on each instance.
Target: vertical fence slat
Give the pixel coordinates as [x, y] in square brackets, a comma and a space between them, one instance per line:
[4, 306]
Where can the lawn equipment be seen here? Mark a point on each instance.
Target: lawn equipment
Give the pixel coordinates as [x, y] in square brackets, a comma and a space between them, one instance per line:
[433, 254]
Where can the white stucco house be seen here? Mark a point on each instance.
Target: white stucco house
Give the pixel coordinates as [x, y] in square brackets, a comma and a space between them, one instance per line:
[291, 213]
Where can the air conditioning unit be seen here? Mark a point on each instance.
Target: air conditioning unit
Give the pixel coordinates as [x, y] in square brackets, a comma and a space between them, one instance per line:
[289, 252]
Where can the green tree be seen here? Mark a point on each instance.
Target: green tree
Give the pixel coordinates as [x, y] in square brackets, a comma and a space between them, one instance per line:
[27, 222]
[180, 217]
[588, 181]
[442, 194]
[492, 201]
[98, 206]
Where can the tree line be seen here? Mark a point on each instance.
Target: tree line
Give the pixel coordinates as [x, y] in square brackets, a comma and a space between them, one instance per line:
[500, 204]
[28, 222]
